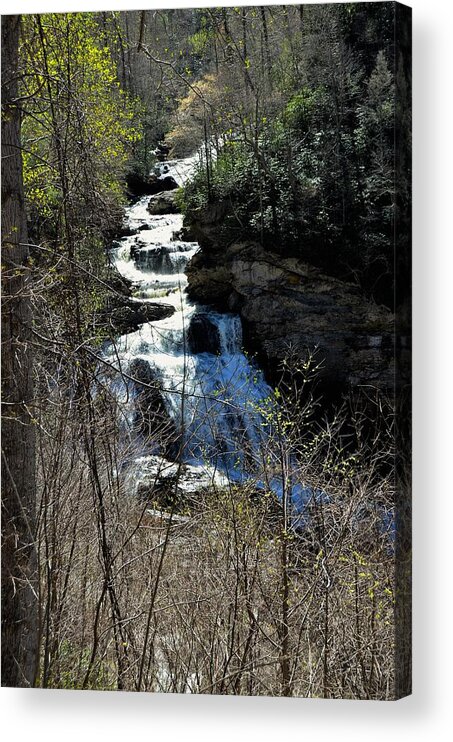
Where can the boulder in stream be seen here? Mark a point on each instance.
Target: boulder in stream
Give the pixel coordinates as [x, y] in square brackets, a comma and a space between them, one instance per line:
[203, 335]
[151, 417]
[163, 203]
[130, 315]
[149, 185]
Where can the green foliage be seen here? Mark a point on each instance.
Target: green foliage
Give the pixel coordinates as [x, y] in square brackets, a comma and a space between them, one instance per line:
[317, 180]
[179, 199]
[78, 136]
[200, 41]
[78, 129]
[301, 108]
[267, 197]
[70, 668]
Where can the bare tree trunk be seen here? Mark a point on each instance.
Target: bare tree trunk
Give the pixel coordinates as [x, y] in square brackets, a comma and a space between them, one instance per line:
[244, 50]
[266, 46]
[226, 28]
[19, 606]
[301, 18]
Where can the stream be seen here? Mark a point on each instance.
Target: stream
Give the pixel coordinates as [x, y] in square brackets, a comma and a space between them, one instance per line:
[213, 393]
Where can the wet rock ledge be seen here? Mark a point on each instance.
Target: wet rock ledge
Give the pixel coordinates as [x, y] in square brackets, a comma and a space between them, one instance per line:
[286, 303]
[124, 313]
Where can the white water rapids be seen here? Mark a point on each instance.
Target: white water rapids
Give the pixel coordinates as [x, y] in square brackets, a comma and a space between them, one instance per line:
[212, 392]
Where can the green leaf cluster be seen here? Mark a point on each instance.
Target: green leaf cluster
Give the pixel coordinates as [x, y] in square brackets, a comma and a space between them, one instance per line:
[78, 127]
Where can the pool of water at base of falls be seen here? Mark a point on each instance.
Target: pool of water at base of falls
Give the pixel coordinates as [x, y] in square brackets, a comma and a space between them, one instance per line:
[215, 397]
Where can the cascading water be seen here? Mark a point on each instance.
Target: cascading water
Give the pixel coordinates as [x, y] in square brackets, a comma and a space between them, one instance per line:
[211, 391]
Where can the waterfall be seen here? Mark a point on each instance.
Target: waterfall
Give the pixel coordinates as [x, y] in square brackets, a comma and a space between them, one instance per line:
[213, 394]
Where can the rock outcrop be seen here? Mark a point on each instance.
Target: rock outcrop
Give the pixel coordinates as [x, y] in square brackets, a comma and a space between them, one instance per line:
[149, 185]
[163, 203]
[161, 184]
[151, 417]
[203, 335]
[169, 484]
[162, 151]
[131, 314]
[287, 304]
[122, 312]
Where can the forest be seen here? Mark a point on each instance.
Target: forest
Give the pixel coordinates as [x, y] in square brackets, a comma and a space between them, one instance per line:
[206, 350]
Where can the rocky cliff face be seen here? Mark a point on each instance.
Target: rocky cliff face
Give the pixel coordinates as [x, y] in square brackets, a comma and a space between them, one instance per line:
[285, 303]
